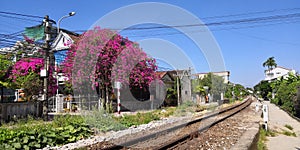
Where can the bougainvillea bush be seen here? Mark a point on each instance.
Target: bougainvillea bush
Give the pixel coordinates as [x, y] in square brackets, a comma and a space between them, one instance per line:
[101, 57]
[25, 75]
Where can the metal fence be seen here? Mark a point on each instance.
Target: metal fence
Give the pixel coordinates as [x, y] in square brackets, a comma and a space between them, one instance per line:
[76, 103]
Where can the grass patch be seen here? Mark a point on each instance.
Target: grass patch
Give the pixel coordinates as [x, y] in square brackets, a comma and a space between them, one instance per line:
[263, 138]
[29, 120]
[185, 108]
[288, 133]
[138, 119]
[103, 121]
[289, 127]
[165, 112]
[200, 108]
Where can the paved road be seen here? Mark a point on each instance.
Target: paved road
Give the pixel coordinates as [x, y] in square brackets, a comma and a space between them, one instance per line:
[277, 120]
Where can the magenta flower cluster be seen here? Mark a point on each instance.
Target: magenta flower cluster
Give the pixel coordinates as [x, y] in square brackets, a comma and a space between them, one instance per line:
[103, 56]
[25, 66]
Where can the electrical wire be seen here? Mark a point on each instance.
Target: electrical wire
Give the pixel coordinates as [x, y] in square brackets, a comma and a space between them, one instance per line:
[228, 24]
[25, 19]
[18, 14]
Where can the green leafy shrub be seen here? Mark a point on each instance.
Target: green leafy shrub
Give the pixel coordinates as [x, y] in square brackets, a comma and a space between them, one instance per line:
[286, 93]
[31, 136]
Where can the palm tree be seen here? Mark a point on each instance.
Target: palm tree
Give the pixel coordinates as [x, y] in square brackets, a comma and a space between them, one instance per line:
[270, 63]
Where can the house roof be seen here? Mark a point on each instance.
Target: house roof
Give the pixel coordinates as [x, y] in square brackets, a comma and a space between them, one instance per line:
[162, 74]
[64, 40]
[283, 68]
[213, 72]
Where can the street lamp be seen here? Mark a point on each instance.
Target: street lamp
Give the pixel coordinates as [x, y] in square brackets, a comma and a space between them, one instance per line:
[56, 63]
[66, 16]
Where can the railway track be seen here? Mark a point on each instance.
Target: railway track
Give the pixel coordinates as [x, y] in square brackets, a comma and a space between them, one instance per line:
[173, 136]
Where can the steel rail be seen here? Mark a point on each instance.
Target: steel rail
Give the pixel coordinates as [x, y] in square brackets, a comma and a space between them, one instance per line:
[127, 144]
[173, 143]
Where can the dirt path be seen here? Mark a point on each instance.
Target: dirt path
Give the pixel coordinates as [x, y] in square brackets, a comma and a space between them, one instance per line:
[277, 121]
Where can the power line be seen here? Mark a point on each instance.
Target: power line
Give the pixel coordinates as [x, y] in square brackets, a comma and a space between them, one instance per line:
[169, 33]
[243, 22]
[26, 19]
[255, 20]
[18, 14]
[252, 13]
[265, 39]
[230, 22]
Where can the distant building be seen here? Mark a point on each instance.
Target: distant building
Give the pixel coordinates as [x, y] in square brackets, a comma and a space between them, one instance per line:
[277, 73]
[224, 74]
[167, 77]
[183, 76]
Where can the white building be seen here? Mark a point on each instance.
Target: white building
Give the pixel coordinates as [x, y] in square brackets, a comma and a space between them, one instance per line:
[224, 74]
[277, 73]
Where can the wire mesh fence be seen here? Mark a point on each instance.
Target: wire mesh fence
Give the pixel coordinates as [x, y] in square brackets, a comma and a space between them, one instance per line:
[73, 103]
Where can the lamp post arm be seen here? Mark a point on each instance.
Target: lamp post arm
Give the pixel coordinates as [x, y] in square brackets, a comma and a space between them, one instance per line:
[58, 22]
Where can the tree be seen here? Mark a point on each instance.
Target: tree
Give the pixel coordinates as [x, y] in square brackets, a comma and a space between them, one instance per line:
[263, 88]
[5, 66]
[270, 63]
[25, 74]
[101, 57]
[214, 83]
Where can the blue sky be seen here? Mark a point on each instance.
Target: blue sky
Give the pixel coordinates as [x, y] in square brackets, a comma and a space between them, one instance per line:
[244, 48]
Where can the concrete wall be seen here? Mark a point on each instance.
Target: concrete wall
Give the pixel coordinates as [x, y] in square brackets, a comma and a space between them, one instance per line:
[9, 111]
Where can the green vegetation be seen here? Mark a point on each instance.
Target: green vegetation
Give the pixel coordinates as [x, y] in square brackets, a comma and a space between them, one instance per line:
[289, 127]
[270, 63]
[165, 112]
[286, 93]
[34, 134]
[215, 85]
[138, 119]
[28, 135]
[288, 133]
[185, 108]
[263, 138]
[284, 89]
[263, 134]
[263, 89]
[102, 121]
[236, 92]
[22, 122]
[5, 63]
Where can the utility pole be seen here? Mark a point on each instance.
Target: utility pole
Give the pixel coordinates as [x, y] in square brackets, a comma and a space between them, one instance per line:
[47, 31]
[178, 94]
